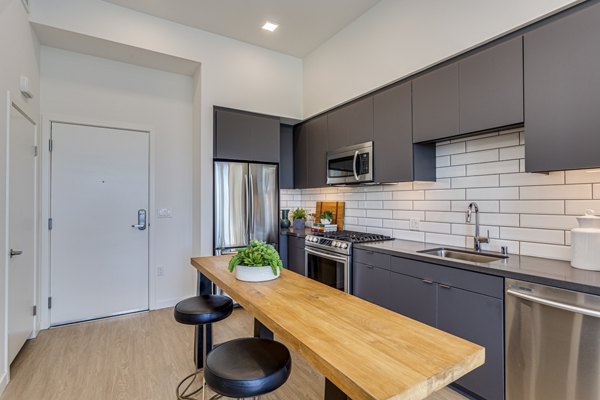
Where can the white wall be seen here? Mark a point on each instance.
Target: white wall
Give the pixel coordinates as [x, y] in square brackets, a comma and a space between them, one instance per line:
[396, 38]
[19, 51]
[532, 214]
[233, 74]
[98, 89]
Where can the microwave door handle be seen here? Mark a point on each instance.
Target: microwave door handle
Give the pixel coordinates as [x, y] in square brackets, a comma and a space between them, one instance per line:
[354, 165]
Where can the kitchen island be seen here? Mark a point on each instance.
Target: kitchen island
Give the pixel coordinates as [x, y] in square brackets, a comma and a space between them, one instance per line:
[363, 350]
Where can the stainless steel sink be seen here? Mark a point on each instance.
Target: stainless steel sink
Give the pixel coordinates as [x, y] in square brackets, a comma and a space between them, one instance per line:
[464, 255]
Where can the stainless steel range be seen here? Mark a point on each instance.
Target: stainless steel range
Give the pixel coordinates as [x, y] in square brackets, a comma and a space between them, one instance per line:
[328, 256]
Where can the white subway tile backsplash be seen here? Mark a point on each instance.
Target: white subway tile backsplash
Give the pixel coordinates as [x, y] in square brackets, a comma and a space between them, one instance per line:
[379, 196]
[533, 207]
[409, 235]
[579, 207]
[546, 251]
[420, 215]
[556, 192]
[448, 240]
[549, 221]
[484, 206]
[443, 161]
[583, 176]
[432, 205]
[398, 205]
[495, 142]
[449, 217]
[498, 167]
[493, 193]
[476, 181]
[379, 213]
[512, 153]
[526, 179]
[532, 214]
[436, 227]
[499, 219]
[448, 194]
[409, 195]
[452, 148]
[451, 172]
[533, 235]
[473, 158]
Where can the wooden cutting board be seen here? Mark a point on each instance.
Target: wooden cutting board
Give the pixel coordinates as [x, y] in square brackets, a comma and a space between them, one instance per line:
[336, 207]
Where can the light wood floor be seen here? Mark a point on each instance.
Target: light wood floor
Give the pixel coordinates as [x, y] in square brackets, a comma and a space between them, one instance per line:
[138, 356]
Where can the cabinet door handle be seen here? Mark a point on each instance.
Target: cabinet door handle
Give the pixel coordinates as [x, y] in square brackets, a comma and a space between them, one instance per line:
[370, 267]
[428, 281]
[444, 286]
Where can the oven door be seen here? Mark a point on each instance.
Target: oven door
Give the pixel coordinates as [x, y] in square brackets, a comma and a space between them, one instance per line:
[328, 268]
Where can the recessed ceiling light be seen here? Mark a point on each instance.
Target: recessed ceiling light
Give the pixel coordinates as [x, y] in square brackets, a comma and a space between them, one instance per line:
[269, 26]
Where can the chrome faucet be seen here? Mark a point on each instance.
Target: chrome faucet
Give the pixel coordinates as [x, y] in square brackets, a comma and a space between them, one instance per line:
[473, 207]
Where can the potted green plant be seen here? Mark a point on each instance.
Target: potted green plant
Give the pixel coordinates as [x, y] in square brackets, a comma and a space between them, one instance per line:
[256, 263]
[299, 217]
[326, 217]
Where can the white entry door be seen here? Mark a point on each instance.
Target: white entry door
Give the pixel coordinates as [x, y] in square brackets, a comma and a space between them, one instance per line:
[99, 235]
[21, 230]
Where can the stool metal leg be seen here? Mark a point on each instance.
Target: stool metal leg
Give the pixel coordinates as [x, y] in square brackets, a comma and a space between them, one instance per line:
[183, 394]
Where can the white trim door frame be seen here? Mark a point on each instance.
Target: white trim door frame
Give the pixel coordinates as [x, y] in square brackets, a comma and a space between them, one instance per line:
[47, 120]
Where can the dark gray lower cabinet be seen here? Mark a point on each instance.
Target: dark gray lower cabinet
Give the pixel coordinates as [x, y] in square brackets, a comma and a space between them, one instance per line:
[295, 252]
[413, 297]
[479, 319]
[372, 284]
[466, 304]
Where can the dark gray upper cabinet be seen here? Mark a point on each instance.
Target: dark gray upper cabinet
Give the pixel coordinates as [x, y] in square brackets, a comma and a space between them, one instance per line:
[435, 104]
[300, 156]
[243, 136]
[413, 297]
[479, 319]
[286, 157]
[351, 124]
[316, 156]
[562, 92]
[395, 159]
[491, 87]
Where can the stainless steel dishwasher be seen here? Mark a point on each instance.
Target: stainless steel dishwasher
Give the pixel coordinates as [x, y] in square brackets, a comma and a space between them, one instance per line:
[552, 343]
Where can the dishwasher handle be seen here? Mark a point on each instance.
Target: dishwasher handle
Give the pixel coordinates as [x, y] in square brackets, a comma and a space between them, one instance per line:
[555, 304]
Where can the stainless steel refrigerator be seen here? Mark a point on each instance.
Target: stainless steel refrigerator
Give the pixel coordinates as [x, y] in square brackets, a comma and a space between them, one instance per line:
[246, 205]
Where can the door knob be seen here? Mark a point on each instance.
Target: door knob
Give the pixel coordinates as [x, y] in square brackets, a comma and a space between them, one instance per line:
[15, 253]
[141, 225]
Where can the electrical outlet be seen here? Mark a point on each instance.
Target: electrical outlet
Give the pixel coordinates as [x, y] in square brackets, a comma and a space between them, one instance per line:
[165, 212]
[415, 224]
[160, 270]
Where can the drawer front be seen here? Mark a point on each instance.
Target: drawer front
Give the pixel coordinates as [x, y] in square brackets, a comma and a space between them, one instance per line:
[371, 258]
[473, 281]
[371, 283]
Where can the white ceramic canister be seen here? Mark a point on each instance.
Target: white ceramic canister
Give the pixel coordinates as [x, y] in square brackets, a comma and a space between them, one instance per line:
[585, 242]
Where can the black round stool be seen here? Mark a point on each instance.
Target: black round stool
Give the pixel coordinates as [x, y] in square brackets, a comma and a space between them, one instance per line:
[247, 367]
[200, 311]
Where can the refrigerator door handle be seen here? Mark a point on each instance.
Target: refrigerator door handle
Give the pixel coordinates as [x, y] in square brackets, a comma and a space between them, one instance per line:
[251, 209]
[248, 208]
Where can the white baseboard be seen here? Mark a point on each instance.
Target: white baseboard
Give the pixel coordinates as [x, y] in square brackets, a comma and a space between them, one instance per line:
[168, 302]
[3, 382]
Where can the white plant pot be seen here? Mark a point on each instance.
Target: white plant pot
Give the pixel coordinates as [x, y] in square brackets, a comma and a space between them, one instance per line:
[255, 274]
[325, 221]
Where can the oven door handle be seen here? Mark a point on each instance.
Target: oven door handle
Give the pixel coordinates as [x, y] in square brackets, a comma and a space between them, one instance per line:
[354, 165]
[325, 255]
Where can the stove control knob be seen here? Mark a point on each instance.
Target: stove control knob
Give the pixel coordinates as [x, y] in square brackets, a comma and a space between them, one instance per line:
[335, 243]
[344, 245]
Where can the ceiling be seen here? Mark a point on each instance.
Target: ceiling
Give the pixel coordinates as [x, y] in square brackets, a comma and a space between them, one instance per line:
[303, 24]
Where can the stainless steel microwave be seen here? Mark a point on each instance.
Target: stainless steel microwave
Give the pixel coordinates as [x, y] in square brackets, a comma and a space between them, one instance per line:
[350, 165]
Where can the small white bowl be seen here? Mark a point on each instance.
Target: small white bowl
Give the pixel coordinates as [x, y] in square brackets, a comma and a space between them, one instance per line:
[255, 274]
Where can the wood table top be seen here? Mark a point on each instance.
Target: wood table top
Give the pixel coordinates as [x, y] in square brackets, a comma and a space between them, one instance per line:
[367, 351]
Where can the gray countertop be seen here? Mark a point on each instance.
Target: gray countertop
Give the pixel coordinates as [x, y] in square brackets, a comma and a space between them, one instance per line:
[532, 269]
